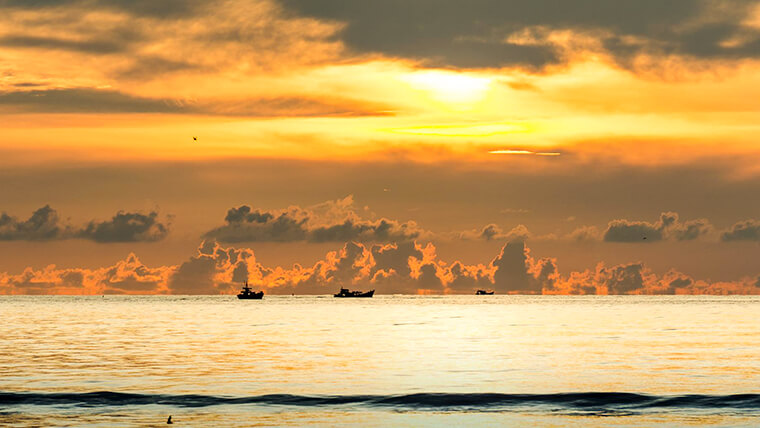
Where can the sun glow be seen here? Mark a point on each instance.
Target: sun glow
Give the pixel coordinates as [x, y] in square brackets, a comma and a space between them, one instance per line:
[468, 130]
[450, 87]
[522, 152]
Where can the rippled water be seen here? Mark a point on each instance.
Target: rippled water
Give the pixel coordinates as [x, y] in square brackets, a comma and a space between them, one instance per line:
[390, 360]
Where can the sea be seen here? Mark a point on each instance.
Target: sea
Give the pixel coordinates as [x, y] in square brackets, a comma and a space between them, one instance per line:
[550, 361]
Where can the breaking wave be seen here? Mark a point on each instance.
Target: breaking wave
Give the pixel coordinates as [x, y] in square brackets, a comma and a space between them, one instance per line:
[596, 402]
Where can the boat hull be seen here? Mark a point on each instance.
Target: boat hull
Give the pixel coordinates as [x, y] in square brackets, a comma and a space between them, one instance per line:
[252, 296]
[348, 295]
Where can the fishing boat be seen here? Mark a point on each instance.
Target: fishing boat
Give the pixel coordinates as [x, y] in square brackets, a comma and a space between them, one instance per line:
[345, 292]
[247, 293]
[484, 292]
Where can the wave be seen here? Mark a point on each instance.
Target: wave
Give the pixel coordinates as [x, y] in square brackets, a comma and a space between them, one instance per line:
[597, 402]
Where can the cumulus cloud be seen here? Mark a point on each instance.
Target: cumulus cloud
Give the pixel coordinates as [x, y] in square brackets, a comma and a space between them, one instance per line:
[667, 227]
[515, 271]
[406, 267]
[493, 232]
[126, 227]
[332, 221]
[45, 225]
[585, 234]
[128, 276]
[747, 230]
[214, 270]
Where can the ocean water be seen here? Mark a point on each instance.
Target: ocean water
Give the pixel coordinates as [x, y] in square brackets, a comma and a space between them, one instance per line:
[388, 361]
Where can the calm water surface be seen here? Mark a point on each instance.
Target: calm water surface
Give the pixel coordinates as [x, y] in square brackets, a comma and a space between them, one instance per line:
[390, 360]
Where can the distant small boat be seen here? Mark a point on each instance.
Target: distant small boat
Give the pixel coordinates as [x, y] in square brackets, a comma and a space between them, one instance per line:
[345, 292]
[484, 292]
[246, 293]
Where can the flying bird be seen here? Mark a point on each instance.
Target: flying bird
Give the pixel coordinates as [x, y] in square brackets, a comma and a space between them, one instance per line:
[195, 138]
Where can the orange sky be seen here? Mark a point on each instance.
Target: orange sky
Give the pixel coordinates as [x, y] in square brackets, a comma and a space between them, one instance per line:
[591, 110]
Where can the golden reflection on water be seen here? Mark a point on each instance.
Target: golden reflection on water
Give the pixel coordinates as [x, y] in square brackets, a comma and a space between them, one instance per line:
[385, 345]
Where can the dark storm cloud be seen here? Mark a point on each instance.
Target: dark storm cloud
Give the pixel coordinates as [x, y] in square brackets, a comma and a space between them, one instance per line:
[477, 33]
[45, 225]
[89, 100]
[243, 224]
[747, 230]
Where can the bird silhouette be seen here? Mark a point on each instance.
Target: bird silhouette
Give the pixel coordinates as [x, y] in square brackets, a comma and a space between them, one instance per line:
[169, 421]
[195, 138]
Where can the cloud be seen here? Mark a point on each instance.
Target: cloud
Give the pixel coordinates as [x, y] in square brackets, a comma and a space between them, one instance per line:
[332, 221]
[493, 232]
[84, 46]
[667, 227]
[126, 227]
[164, 9]
[517, 233]
[84, 100]
[132, 276]
[144, 40]
[406, 267]
[128, 276]
[215, 270]
[493, 33]
[515, 271]
[747, 230]
[91, 100]
[585, 234]
[152, 39]
[43, 225]
[632, 231]
[46, 225]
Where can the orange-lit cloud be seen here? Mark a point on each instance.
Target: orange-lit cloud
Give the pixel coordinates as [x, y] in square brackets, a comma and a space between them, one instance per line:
[315, 80]
[605, 112]
[392, 268]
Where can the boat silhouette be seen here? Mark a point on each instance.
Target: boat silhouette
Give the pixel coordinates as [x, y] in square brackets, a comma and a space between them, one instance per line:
[484, 292]
[345, 292]
[246, 293]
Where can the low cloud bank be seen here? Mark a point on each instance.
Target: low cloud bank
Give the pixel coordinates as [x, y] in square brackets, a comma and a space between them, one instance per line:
[405, 267]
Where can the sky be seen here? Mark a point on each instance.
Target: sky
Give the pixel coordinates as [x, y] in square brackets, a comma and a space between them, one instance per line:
[425, 147]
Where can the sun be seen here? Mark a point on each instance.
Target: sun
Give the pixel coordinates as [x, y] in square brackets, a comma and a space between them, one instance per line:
[449, 87]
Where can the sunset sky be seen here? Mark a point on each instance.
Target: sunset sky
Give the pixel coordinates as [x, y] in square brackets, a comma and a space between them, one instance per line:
[427, 146]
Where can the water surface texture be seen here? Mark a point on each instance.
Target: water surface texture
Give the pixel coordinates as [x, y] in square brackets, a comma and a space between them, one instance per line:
[400, 360]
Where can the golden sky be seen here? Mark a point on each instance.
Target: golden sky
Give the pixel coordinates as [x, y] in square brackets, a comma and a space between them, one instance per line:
[439, 117]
